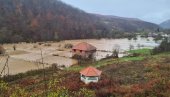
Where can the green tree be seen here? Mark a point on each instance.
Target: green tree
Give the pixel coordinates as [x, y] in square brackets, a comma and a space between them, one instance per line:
[163, 47]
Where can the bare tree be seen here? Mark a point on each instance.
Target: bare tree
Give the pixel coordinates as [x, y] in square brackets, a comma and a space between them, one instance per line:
[139, 46]
[117, 47]
[131, 47]
[115, 52]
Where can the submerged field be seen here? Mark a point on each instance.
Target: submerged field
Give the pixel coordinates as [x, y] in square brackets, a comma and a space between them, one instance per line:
[27, 56]
[144, 75]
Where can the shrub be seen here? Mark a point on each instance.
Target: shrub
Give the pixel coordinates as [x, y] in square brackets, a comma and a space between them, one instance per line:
[6, 91]
[14, 47]
[55, 55]
[3, 88]
[54, 65]
[2, 50]
[68, 46]
[163, 47]
[115, 53]
[134, 55]
[35, 46]
[47, 44]
[56, 91]
[104, 93]
[40, 43]
[83, 92]
[77, 57]
[148, 69]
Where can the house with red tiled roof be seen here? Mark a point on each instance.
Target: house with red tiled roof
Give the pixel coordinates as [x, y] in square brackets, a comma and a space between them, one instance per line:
[84, 49]
[90, 74]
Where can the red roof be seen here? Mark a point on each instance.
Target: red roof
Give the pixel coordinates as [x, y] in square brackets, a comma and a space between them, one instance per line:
[90, 71]
[84, 46]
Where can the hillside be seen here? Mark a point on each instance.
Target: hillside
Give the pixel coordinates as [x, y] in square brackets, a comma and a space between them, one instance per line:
[127, 24]
[165, 24]
[44, 20]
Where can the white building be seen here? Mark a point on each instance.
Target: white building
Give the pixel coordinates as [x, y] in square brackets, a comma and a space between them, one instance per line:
[90, 74]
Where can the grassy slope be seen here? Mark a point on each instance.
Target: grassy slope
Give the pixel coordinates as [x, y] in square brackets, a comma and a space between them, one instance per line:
[143, 52]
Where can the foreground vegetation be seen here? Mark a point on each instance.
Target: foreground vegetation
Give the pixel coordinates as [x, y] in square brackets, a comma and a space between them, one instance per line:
[133, 76]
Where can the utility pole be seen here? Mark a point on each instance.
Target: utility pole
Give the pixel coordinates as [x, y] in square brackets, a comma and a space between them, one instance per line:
[44, 75]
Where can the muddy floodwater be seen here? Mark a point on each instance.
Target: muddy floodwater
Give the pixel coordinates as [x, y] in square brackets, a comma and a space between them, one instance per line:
[106, 46]
[27, 56]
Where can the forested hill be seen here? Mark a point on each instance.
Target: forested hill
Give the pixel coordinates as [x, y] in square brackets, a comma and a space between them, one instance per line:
[128, 24]
[41, 20]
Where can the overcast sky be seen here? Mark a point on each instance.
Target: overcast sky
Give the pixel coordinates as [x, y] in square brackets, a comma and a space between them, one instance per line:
[155, 11]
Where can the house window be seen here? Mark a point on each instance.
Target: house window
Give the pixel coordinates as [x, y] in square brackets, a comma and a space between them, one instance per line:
[92, 78]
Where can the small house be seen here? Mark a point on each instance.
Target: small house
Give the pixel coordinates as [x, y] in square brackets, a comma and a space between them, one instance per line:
[90, 74]
[84, 49]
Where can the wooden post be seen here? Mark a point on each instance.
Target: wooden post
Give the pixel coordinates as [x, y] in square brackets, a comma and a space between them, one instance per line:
[44, 75]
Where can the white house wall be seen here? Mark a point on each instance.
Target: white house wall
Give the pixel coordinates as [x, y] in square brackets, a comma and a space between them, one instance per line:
[88, 80]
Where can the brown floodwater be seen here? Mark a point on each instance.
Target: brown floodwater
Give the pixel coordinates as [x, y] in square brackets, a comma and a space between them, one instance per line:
[27, 55]
[106, 46]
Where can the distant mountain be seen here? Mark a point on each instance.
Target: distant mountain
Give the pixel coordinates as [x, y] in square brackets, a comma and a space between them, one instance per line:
[127, 24]
[165, 24]
[43, 20]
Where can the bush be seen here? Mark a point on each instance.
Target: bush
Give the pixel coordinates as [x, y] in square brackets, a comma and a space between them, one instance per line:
[55, 55]
[83, 92]
[3, 88]
[2, 50]
[55, 65]
[47, 44]
[35, 46]
[68, 46]
[163, 47]
[104, 93]
[14, 47]
[79, 57]
[134, 55]
[115, 53]
[40, 43]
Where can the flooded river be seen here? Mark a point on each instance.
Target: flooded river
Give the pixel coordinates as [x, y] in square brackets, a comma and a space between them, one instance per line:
[26, 56]
[106, 46]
